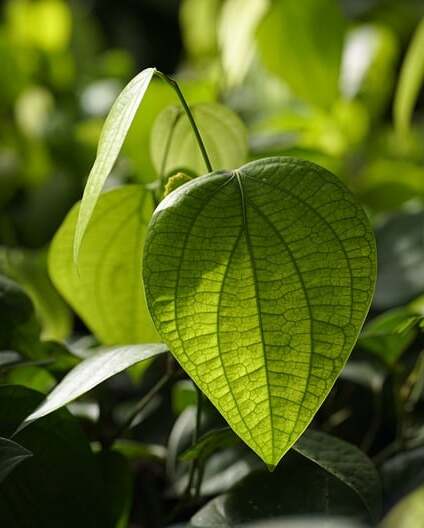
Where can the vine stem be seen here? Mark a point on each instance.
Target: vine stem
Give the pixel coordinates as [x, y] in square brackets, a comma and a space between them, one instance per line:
[142, 404]
[176, 88]
[196, 435]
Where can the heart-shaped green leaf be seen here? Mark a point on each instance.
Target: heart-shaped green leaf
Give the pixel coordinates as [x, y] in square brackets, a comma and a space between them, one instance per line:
[105, 288]
[259, 280]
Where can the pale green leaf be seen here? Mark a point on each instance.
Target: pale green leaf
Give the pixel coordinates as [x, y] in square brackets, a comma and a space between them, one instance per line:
[294, 45]
[173, 145]
[345, 462]
[238, 22]
[408, 513]
[105, 289]
[159, 95]
[11, 454]
[111, 140]
[410, 81]
[259, 280]
[198, 27]
[93, 371]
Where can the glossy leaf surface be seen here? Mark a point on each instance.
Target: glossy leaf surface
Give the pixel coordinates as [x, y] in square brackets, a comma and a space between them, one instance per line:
[93, 371]
[345, 462]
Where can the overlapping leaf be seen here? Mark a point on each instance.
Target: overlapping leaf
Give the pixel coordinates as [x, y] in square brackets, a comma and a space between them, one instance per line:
[173, 145]
[105, 289]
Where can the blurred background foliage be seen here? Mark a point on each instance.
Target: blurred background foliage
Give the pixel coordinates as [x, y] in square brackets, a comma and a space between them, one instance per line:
[335, 82]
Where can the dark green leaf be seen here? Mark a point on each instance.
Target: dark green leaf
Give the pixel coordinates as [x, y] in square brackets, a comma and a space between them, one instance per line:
[347, 463]
[400, 248]
[11, 454]
[60, 484]
[297, 487]
[209, 443]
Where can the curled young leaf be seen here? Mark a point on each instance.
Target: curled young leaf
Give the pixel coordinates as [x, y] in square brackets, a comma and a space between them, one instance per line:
[259, 280]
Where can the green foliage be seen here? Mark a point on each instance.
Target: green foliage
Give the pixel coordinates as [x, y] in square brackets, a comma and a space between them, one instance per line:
[259, 276]
[104, 287]
[30, 271]
[308, 58]
[41, 489]
[408, 513]
[110, 143]
[263, 332]
[410, 81]
[347, 463]
[102, 365]
[173, 146]
[11, 455]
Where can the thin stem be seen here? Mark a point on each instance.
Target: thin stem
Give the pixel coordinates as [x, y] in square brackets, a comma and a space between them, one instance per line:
[142, 405]
[196, 435]
[187, 110]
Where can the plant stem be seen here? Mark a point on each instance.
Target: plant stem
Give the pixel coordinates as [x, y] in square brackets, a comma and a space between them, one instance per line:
[187, 110]
[141, 405]
[196, 435]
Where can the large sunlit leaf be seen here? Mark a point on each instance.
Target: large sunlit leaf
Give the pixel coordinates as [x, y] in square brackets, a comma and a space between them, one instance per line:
[347, 463]
[93, 371]
[105, 289]
[259, 281]
[173, 144]
[11, 455]
[111, 140]
[410, 81]
[294, 46]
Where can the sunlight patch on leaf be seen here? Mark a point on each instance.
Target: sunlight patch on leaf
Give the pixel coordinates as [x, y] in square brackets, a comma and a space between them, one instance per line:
[259, 280]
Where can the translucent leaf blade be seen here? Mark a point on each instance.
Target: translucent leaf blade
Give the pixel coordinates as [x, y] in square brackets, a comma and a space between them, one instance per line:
[259, 280]
[111, 140]
[105, 289]
[93, 371]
